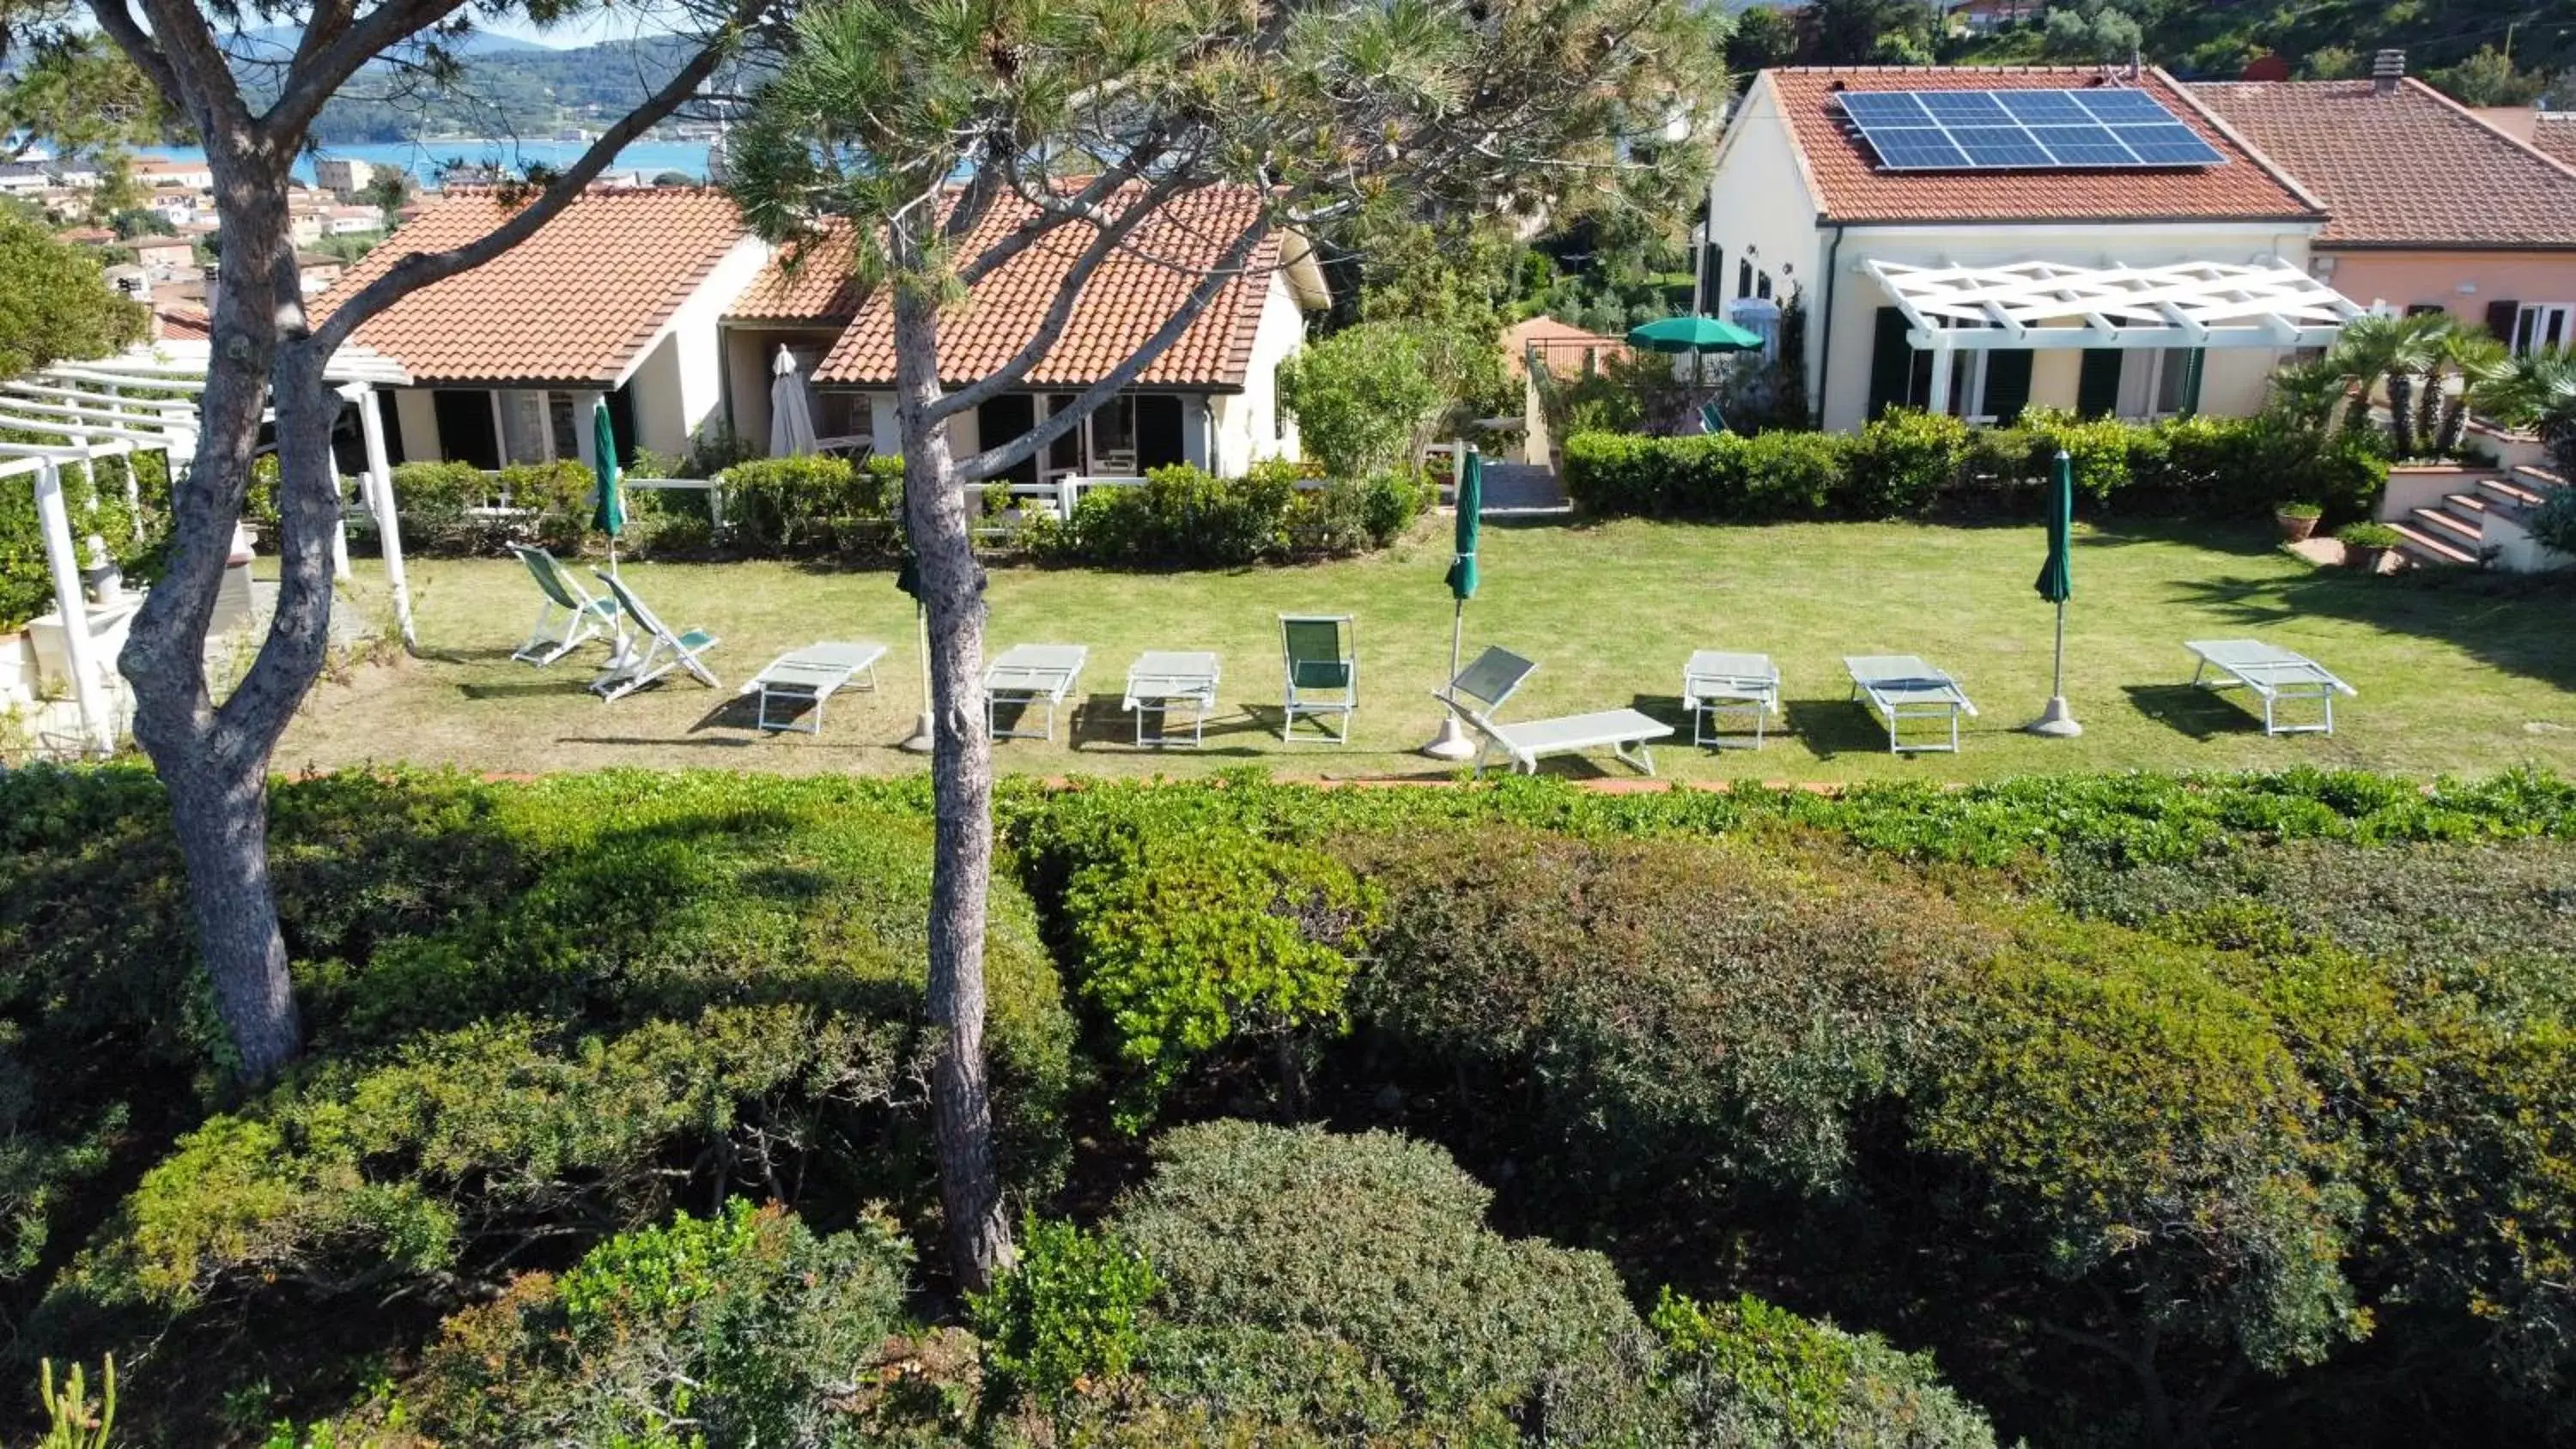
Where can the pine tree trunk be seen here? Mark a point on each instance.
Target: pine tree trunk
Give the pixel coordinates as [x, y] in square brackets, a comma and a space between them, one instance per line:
[961, 768]
[214, 761]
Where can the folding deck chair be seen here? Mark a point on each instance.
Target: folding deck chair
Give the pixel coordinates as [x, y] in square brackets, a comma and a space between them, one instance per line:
[666, 651]
[2272, 672]
[1712, 419]
[1028, 674]
[1715, 682]
[1163, 678]
[1480, 689]
[1321, 652]
[568, 617]
[1902, 687]
[812, 675]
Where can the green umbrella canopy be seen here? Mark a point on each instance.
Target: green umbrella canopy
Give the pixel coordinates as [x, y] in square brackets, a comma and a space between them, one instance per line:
[1694, 334]
[610, 515]
[1471, 508]
[2056, 581]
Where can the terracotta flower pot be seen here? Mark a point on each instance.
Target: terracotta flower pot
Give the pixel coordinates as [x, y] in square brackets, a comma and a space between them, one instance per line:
[2365, 559]
[2296, 527]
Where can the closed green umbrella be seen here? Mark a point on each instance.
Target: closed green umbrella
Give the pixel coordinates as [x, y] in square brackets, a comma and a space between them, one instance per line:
[2056, 584]
[609, 516]
[1451, 743]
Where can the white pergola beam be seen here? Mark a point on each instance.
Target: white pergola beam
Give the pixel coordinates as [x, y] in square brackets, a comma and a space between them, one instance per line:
[2051, 305]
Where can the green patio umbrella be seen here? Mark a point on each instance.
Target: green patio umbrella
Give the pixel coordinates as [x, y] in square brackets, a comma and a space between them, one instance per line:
[2056, 584]
[609, 516]
[1697, 336]
[1451, 743]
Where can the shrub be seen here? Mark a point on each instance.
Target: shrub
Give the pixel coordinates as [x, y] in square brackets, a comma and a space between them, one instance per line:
[2368, 535]
[1362, 396]
[791, 507]
[1349, 1284]
[739, 1330]
[1188, 941]
[94, 495]
[1749, 1373]
[1067, 1312]
[2553, 524]
[1901, 464]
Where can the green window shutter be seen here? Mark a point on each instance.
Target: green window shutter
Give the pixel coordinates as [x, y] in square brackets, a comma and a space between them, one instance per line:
[2007, 383]
[2097, 387]
[1891, 363]
[2191, 380]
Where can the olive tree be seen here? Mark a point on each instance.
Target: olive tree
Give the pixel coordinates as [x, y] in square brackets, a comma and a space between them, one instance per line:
[913, 120]
[269, 354]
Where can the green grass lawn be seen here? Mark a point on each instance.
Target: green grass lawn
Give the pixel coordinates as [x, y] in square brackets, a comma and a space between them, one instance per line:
[2466, 676]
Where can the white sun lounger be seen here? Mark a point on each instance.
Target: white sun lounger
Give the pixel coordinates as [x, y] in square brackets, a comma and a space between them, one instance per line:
[1027, 674]
[2272, 672]
[667, 651]
[568, 617]
[812, 675]
[1716, 682]
[1480, 689]
[1163, 678]
[1902, 687]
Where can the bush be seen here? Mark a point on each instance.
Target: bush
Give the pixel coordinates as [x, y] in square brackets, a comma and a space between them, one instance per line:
[2553, 524]
[740, 1330]
[1749, 1373]
[1182, 516]
[797, 507]
[1067, 1312]
[2368, 536]
[1901, 464]
[94, 495]
[1349, 1284]
[1363, 396]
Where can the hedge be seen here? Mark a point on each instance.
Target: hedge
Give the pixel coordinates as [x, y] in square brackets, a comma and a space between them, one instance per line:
[1183, 516]
[1912, 464]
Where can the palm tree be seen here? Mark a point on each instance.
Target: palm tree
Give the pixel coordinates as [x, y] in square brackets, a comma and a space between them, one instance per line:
[2364, 353]
[2415, 350]
[2538, 391]
[2442, 328]
[2307, 393]
[2481, 362]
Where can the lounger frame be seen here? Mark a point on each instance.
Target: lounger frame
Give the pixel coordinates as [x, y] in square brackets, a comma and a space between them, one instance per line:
[812, 675]
[1716, 682]
[1495, 675]
[1027, 674]
[568, 615]
[1310, 678]
[666, 651]
[2274, 674]
[1162, 678]
[1903, 687]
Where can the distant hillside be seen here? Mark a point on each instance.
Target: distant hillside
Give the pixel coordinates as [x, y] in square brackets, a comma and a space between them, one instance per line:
[509, 87]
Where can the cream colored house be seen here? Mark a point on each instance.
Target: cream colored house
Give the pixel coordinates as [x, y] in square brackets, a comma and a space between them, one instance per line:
[1955, 256]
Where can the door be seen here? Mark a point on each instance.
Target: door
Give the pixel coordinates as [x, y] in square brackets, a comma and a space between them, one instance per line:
[1064, 455]
[2542, 326]
[1159, 443]
[467, 432]
[1003, 419]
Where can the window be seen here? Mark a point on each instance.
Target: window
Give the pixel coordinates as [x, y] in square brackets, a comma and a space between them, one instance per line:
[1743, 278]
[560, 417]
[2155, 382]
[1762, 285]
[2540, 326]
[523, 427]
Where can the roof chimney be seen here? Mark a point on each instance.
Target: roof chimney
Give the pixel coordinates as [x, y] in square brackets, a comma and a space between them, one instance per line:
[2386, 69]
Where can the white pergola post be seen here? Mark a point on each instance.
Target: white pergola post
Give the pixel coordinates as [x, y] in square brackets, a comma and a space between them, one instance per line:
[54, 520]
[380, 483]
[1939, 401]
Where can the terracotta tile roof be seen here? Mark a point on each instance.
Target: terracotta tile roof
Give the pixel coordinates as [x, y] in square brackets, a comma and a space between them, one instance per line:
[813, 284]
[2407, 168]
[572, 304]
[1128, 300]
[182, 322]
[2553, 134]
[1850, 187]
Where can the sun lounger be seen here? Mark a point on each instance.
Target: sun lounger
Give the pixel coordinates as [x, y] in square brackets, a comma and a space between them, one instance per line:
[1480, 689]
[1902, 687]
[663, 652]
[812, 675]
[569, 615]
[1322, 658]
[1715, 682]
[1028, 674]
[2272, 672]
[1161, 679]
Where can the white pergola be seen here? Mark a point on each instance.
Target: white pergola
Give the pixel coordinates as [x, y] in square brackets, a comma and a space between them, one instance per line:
[143, 401]
[2048, 305]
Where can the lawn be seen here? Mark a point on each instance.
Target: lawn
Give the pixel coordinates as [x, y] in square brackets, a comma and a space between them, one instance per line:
[2468, 675]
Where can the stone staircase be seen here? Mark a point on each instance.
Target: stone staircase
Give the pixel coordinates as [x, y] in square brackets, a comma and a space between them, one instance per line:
[2451, 533]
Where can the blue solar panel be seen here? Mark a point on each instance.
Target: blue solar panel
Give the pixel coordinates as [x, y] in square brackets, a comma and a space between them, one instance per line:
[2097, 128]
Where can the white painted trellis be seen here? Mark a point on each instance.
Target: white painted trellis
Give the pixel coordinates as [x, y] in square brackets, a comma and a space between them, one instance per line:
[81, 414]
[2051, 305]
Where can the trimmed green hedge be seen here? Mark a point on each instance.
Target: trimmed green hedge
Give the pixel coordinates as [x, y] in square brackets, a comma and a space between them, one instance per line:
[1911, 464]
[1184, 516]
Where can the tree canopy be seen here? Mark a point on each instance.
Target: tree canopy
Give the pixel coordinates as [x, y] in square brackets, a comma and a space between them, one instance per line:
[54, 303]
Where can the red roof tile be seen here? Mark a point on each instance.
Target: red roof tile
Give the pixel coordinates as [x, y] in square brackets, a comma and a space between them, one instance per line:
[814, 283]
[1127, 300]
[2408, 168]
[1850, 188]
[572, 304]
[2553, 134]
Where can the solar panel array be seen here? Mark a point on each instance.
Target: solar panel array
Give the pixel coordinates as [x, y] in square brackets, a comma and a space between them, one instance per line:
[2035, 130]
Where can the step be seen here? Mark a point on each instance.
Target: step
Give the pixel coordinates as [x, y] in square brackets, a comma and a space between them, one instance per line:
[2464, 504]
[2450, 527]
[2517, 494]
[2538, 480]
[2425, 548]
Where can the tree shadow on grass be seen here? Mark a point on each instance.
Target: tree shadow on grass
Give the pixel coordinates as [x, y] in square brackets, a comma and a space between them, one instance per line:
[2520, 624]
[2189, 710]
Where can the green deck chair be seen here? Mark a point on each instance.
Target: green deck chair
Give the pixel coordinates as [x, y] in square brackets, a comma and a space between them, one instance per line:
[568, 617]
[1323, 666]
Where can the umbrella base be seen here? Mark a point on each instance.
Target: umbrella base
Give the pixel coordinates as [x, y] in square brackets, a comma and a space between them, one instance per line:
[2056, 722]
[1451, 743]
[924, 736]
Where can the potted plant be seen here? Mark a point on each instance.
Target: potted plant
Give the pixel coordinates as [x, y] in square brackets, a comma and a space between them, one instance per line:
[2297, 520]
[2365, 544]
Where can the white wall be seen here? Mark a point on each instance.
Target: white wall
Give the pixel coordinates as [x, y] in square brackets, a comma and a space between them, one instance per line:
[1249, 425]
[2232, 379]
[678, 384]
[1760, 208]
